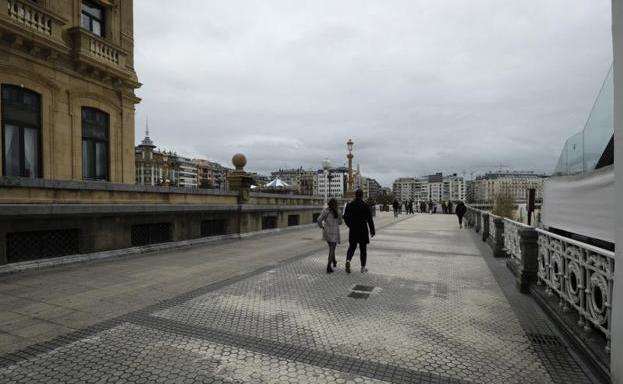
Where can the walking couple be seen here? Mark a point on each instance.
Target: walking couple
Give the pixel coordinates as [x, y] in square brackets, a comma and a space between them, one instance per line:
[358, 218]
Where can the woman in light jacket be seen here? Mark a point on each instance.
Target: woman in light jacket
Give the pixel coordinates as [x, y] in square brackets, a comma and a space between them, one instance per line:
[330, 220]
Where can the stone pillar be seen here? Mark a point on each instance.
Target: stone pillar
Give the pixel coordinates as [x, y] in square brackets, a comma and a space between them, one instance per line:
[529, 263]
[498, 243]
[239, 181]
[485, 226]
[478, 218]
[617, 300]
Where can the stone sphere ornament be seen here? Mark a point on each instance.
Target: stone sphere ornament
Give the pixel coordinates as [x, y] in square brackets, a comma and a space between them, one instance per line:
[239, 160]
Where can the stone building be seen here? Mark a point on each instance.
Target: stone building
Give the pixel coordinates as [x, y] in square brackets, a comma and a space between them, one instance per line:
[435, 187]
[67, 79]
[485, 188]
[155, 167]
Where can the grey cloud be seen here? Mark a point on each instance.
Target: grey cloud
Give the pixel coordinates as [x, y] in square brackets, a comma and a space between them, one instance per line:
[420, 86]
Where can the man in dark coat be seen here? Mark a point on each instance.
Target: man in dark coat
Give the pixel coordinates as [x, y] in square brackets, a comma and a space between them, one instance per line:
[460, 212]
[358, 218]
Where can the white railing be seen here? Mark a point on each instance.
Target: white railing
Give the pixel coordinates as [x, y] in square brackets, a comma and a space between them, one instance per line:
[512, 239]
[581, 275]
[103, 51]
[29, 16]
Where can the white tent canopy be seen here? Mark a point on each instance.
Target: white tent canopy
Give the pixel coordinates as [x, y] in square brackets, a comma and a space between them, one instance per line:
[277, 184]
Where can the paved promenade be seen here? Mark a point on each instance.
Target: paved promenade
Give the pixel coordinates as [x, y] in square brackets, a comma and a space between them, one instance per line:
[435, 307]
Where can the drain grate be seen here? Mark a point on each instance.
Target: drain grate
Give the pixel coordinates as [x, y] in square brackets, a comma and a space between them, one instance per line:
[363, 288]
[541, 339]
[358, 295]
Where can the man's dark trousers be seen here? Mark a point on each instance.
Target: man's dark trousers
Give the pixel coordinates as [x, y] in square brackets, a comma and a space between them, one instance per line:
[363, 252]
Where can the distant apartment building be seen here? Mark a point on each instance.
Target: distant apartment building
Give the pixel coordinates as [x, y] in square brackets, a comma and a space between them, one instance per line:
[188, 173]
[334, 184]
[210, 174]
[485, 188]
[435, 187]
[374, 188]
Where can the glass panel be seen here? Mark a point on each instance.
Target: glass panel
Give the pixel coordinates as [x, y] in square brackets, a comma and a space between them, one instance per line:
[96, 27]
[31, 152]
[101, 160]
[582, 151]
[600, 125]
[85, 22]
[11, 150]
[92, 9]
[87, 159]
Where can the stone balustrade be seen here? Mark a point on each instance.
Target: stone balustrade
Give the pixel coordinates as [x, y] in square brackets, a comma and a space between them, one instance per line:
[49, 218]
[93, 49]
[496, 235]
[33, 17]
[581, 276]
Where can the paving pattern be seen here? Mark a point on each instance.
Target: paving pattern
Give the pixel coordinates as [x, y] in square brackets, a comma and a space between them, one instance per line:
[429, 311]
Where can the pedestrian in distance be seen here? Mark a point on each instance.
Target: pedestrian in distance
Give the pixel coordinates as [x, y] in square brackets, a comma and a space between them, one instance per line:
[330, 220]
[460, 212]
[396, 207]
[358, 219]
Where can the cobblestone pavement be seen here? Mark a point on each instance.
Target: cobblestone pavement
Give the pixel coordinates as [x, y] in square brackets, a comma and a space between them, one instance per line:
[429, 311]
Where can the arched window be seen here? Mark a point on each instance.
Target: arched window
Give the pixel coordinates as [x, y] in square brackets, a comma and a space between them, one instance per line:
[21, 132]
[94, 144]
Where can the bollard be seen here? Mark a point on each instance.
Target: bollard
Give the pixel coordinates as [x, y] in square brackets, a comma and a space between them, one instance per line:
[529, 264]
[497, 244]
[485, 226]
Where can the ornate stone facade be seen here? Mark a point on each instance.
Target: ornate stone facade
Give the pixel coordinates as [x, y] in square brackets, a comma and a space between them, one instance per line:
[74, 58]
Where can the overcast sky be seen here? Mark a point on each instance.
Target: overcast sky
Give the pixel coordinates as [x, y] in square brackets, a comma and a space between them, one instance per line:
[419, 85]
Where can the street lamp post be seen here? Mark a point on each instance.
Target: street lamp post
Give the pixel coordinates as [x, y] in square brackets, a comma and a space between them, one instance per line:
[326, 165]
[349, 190]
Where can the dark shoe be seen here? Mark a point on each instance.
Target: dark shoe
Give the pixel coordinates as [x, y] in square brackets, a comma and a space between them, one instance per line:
[334, 263]
[348, 267]
[329, 270]
[364, 269]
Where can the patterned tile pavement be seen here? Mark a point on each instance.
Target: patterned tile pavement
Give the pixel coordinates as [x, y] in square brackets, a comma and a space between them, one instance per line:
[429, 311]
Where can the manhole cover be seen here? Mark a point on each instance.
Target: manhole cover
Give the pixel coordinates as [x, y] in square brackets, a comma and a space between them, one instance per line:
[358, 295]
[363, 288]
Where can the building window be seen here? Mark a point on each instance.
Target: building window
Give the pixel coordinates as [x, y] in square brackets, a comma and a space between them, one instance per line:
[92, 17]
[94, 144]
[21, 132]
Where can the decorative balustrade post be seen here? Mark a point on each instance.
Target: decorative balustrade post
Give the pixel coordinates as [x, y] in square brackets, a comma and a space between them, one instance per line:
[485, 226]
[529, 262]
[478, 221]
[497, 240]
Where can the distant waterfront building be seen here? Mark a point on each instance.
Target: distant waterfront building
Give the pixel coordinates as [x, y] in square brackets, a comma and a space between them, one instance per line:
[210, 174]
[155, 167]
[374, 189]
[67, 90]
[299, 179]
[188, 172]
[485, 188]
[435, 187]
[335, 185]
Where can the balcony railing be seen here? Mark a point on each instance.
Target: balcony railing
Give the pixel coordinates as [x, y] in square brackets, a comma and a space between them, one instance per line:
[31, 17]
[94, 49]
[581, 275]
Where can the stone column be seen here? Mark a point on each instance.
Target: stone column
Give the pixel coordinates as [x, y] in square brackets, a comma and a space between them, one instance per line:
[617, 300]
[485, 226]
[478, 218]
[529, 263]
[239, 181]
[498, 243]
